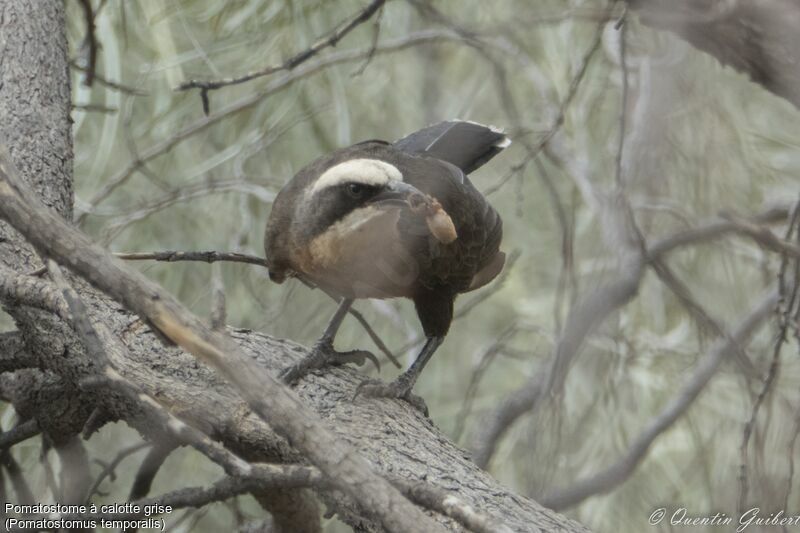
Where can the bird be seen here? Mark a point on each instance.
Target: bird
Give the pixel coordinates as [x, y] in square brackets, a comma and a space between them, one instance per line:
[385, 220]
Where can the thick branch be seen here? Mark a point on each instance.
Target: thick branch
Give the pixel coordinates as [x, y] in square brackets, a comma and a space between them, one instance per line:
[759, 39]
[265, 395]
[388, 433]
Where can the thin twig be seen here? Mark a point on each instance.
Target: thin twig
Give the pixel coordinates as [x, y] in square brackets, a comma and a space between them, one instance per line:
[560, 117]
[183, 194]
[24, 431]
[15, 475]
[623, 65]
[784, 312]
[376, 32]
[218, 311]
[212, 256]
[331, 40]
[620, 470]
[109, 469]
[97, 108]
[486, 359]
[374, 336]
[109, 83]
[270, 400]
[204, 257]
[344, 56]
[91, 41]
[597, 305]
[764, 236]
[697, 311]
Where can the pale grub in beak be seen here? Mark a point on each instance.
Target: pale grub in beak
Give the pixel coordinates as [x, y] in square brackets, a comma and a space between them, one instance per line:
[439, 222]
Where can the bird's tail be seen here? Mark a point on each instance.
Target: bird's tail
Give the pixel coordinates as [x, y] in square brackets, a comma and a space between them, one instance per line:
[467, 145]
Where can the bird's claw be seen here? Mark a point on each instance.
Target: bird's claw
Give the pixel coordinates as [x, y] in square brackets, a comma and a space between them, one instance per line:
[357, 357]
[374, 388]
[323, 354]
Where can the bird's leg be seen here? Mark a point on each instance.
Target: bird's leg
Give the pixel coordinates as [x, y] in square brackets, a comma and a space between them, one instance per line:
[323, 353]
[401, 387]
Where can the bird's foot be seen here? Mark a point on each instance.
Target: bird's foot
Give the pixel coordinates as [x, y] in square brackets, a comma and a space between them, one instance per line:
[399, 388]
[323, 354]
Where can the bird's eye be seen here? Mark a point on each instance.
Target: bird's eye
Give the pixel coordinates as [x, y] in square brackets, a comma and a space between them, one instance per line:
[356, 190]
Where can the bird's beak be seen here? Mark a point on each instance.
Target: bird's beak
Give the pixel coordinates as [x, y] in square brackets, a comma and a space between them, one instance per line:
[395, 193]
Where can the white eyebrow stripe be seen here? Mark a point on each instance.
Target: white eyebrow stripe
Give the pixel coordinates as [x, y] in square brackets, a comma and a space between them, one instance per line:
[366, 171]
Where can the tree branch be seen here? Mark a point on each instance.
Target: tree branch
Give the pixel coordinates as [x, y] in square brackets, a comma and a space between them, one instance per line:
[19, 433]
[587, 313]
[308, 69]
[609, 478]
[759, 39]
[204, 400]
[331, 40]
[265, 395]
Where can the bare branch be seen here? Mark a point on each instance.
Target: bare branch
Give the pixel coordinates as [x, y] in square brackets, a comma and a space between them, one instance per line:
[764, 236]
[110, 84]
[21, 487]
[697, 311]
[331, 40]
[21, 432]
[268, 397]
[440, 501]
[148, 469]
[204, 257]
[585, 315]
[759, 39]
[109, 470]
[218, 310]
[90, 41]
[786, 287]
[609, 478]
[95, 108]
[270, 477]
[344, 56]
[212, 256]
[97, 347]
[713, 229]
[534, 151]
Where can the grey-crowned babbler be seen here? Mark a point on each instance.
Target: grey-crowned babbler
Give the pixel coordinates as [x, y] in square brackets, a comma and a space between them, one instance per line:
[388, 220]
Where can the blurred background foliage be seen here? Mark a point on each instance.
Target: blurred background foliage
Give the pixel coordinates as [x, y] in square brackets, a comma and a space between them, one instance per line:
[699, 139]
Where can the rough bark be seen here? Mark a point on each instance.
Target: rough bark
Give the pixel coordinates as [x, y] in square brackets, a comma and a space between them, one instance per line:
[392, 437]
[390, 434]
[757, 37]
[36, 131]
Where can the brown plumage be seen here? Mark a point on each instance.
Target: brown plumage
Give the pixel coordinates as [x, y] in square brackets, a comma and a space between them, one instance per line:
[351, 223]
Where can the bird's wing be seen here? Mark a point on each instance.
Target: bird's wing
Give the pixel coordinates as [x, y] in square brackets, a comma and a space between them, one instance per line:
[467, 145]
[488, 273]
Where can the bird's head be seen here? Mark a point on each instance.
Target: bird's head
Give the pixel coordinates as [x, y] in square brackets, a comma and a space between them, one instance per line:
[353, 192]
